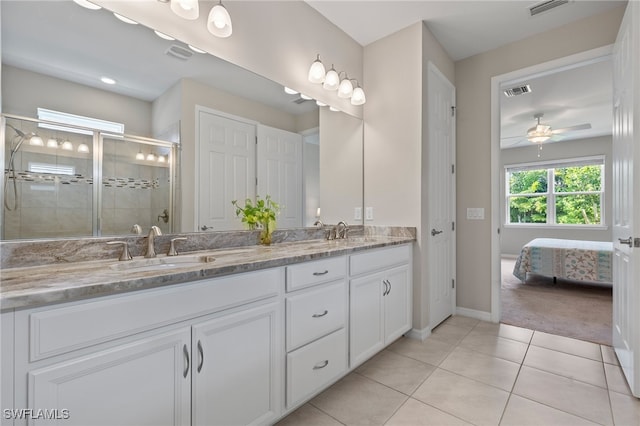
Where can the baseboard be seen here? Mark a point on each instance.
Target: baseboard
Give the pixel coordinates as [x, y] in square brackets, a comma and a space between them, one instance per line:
[472, 313]
[416, 334]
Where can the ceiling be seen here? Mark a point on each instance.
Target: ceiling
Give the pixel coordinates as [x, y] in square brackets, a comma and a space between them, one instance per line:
[49, 45]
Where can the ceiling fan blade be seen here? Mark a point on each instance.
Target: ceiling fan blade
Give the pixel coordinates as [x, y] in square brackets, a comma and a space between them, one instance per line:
[572, 128]
[516, 141]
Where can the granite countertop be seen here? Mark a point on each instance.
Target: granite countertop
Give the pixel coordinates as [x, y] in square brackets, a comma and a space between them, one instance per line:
[38, 285]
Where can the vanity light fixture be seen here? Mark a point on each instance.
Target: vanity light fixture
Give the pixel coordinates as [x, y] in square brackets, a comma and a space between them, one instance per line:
[83, 148]
[125, 19]
[87, 4]
[219, 21]
[358, 97]
[140, 155]
[305, 97]
[290, 91]
[195, 49]
[36, 140]
[163, 35]
[67, 146]
[52, 143]
[162, 159]
[151, 157]
[187, 9]
[316, 71]
[345, 90]
[331, 79]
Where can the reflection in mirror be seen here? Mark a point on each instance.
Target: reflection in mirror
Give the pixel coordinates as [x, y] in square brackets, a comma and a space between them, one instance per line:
[57, 60]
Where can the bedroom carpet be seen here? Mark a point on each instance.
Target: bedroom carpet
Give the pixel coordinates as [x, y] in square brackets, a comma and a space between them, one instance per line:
[565, 308]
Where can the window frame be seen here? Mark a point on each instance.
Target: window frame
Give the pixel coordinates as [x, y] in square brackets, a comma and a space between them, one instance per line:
[551, 194]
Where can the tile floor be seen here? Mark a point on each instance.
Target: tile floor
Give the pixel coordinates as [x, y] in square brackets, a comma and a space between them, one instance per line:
[470, 372]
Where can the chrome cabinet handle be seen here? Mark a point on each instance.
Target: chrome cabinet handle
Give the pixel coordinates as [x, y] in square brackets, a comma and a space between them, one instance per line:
[434, 232]
[387, 287]
[389, 291]
[628, 241]
[321, 365]
[320, 315]
[186, 359]
[201, 353]
[317, 274]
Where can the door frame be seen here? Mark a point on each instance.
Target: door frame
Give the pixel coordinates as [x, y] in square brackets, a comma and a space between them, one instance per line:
[545, 68]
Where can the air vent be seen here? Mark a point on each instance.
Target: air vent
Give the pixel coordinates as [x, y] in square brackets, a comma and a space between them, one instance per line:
[516, 91]
[178, 52]
[546, 5]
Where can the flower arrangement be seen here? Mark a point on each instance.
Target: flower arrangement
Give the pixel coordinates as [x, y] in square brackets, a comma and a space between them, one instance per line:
[261, 215]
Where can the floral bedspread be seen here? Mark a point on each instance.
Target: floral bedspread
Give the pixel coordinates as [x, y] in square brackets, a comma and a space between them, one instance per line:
[568, 259]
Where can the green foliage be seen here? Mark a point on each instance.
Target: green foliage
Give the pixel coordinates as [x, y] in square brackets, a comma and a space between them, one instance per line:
[260, 215]
[570, 208]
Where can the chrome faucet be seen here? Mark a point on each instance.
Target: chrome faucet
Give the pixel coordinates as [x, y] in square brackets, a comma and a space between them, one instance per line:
[151, 250]
[318, 223]
[341, 229]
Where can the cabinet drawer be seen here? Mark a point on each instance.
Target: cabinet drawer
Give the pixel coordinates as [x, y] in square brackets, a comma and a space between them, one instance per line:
[315, 365]
[76, 326]
[315, 272]
[315, 313]
[376, 260]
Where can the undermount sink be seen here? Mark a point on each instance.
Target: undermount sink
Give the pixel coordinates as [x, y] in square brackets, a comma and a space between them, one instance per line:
[162, 263]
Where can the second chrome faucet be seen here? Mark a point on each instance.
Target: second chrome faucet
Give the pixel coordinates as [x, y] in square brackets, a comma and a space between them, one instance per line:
[151, 250]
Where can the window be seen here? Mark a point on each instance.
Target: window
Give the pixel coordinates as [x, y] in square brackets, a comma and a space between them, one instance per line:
[560, 193]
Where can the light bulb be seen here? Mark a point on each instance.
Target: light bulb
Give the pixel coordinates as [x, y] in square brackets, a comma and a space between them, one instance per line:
[305, 97]
[290, 91]
[151, 157]
[334, 109]
[52, 143]
[140, 156]
[331, 80]
[163, 35]
[87, 4]
[320, 104]
[317, 71]
[83, 148]
[125, 19]
[67, 146]
[162, 159]
[36, 140]
[107, 80]
[195, 49]
[345, 90]
[187, 9]
[358, 98]
[219, 21]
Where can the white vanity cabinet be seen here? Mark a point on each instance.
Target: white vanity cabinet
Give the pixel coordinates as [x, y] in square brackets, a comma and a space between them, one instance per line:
[316, 327]
[380, 300]
[206, 352]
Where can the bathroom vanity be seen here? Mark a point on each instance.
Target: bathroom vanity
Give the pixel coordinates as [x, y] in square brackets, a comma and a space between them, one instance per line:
[243, 336]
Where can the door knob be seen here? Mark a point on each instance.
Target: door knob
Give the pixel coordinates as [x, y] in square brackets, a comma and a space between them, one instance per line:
[205, 227]
[628, 241]
[434, 232]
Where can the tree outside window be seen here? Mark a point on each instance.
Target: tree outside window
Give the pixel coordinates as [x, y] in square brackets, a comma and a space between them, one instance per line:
[568, 193]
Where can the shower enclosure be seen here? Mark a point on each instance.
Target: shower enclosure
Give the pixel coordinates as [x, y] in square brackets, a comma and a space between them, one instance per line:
[69, 181]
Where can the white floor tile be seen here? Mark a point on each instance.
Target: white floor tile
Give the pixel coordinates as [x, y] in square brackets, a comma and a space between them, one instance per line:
[567, 345]
[483, 368]
[563, 364]
[524, 412]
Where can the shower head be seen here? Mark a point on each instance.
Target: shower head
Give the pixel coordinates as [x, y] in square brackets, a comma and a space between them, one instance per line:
[19, 132]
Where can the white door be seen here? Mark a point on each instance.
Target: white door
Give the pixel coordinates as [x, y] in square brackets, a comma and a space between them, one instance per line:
[226, 170]
[143, 383]
[440, 227]
[237, 374]
[626, 281]
[280, 173]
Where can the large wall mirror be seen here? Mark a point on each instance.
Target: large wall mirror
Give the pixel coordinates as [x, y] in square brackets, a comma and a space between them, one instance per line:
[308, 158]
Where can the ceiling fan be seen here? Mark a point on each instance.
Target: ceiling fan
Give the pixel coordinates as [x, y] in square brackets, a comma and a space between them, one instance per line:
[541, 133]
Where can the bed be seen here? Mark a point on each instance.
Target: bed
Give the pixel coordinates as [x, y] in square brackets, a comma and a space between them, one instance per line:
[568, 259]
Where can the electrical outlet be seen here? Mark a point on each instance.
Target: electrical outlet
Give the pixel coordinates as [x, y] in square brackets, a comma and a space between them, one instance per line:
[475, 213]
[369, 213]
[357, 213]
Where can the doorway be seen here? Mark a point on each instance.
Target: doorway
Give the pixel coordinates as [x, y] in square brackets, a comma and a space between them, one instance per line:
[501, 240]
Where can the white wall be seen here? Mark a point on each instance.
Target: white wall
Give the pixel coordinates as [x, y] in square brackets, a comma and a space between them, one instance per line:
[514, 237]
[24, 91]
[473, 131]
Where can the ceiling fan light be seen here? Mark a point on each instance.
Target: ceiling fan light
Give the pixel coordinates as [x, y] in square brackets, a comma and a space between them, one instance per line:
[187, 9]
[219, 21]
[345, 90]
[316, 71]
[331, 80]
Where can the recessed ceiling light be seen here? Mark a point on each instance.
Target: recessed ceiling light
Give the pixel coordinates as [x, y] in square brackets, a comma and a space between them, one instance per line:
[87, 4]
[125, 19]
[107, 80]
[195, 49]
[163, 35]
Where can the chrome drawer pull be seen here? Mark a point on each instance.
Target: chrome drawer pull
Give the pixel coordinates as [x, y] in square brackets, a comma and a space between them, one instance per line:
[317, 274]
[201, 352]
[320, 315]
[186, 358]
[323, 364]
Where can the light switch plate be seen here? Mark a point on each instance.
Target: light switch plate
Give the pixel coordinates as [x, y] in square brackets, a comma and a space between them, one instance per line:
[475, 213]
[357, 213]
[368, 213]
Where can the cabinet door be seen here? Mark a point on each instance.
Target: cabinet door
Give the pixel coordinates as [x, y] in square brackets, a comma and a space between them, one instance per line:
[366, 318]
[237, 371]
[141, 383]
[397, 302]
